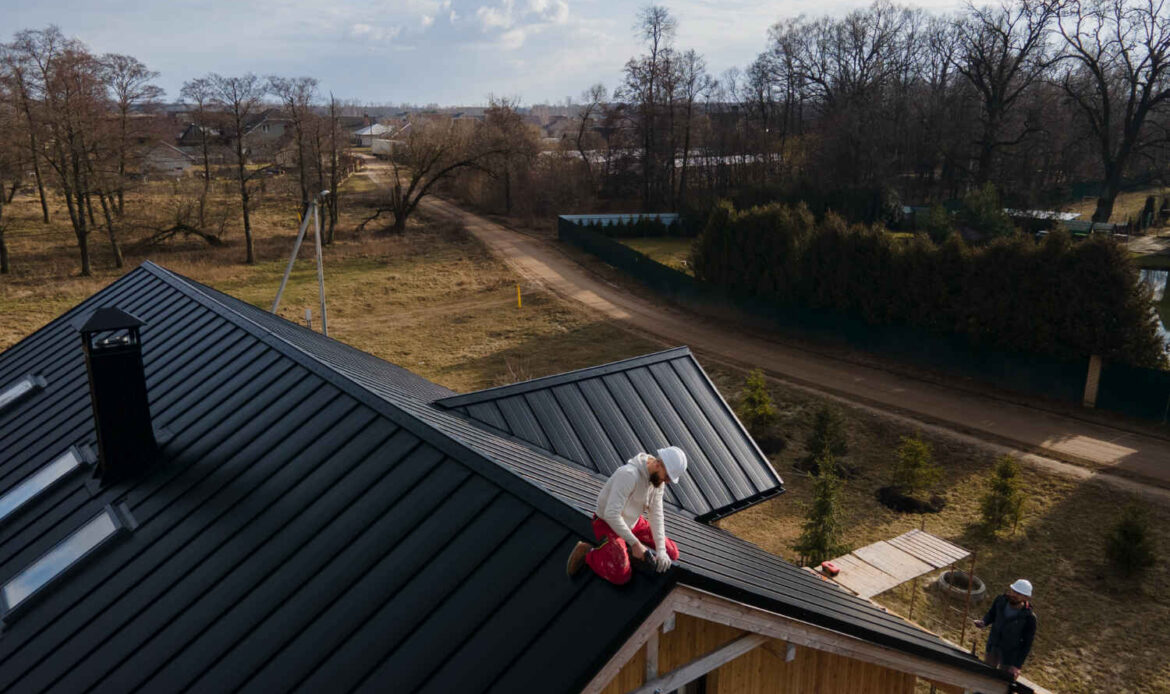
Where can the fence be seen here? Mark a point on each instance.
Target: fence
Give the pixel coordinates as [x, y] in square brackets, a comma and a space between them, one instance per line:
[1137, 392]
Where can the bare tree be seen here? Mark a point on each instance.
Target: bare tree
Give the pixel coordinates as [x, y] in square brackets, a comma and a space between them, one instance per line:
[428, 152]
[15, 70]
[593, 100]
[200, 93]
[240, 97]
[644, 89]
[10, 162]
[1002, 52]
[73, 97]
[510, 140]
[1117, 73]
[297, 95]
[694, 84]
[130, 86]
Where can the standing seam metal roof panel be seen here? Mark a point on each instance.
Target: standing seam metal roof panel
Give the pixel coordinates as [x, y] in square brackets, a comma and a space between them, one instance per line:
[601, 416]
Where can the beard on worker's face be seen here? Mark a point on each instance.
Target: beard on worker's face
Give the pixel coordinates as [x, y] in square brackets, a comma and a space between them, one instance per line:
[656, 479]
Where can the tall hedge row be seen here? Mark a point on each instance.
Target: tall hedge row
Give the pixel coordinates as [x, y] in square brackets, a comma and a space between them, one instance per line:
[1055, 298]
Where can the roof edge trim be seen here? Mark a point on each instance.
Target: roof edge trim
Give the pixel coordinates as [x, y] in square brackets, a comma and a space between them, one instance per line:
[552, 380]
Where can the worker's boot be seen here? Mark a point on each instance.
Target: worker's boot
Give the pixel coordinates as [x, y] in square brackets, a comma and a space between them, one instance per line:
[577, 558]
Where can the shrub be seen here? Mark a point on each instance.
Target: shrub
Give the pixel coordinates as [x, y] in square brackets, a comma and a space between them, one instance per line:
[982, 212]
[938, 224]
[756, 409]
[820, 537]
[1129, 545]
[914, 467]
[828, 433]
[1056, 298]
[1003, 503]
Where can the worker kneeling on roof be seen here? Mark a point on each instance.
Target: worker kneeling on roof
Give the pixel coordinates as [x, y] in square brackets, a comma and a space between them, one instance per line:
[634, 489]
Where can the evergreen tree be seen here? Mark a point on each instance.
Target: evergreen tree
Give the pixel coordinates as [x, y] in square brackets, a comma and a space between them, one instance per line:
[756, 409]
[914, 468]
[938, 224]
[983, 213]
[1003, 503]
[1129, 545]
[820, 538]
[828, 434]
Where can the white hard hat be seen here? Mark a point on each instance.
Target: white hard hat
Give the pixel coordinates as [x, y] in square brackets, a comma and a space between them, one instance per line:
[1023, 586]
[675, 461]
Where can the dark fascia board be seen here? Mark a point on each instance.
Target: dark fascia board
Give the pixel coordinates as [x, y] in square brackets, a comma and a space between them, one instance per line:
[737, 506]
[530, 493]
[958, 658]
[563, 378]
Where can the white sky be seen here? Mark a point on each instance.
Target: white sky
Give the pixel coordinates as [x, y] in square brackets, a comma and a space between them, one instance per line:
[416, 51]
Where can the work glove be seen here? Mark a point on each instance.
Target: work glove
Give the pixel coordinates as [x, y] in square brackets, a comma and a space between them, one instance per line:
[661, 561]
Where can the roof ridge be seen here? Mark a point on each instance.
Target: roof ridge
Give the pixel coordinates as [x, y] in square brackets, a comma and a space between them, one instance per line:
[542, 500]
[497, 392]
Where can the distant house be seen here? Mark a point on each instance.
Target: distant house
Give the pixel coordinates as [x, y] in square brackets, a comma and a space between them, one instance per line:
[364, 137]
[164, 158]
[268, 131]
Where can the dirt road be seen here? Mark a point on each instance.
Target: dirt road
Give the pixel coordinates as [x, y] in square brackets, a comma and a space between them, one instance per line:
[1068, 446]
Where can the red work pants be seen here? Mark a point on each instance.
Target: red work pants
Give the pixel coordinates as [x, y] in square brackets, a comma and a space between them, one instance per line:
[611, 560]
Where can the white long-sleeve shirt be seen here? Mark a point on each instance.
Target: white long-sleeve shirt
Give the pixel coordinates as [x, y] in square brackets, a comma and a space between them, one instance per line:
[628, 494]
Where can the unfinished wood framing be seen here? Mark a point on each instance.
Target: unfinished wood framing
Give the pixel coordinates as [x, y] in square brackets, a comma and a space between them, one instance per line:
[704, 624]
[700, 666]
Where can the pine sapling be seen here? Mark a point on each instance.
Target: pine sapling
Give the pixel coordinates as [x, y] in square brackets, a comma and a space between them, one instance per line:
[1129, 545]
[820, 538]
[914, 466]
[1003, 503]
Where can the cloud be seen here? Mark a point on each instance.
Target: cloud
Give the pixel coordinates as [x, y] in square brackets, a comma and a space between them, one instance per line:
[512, 40]
[491, 17]
[370, 32]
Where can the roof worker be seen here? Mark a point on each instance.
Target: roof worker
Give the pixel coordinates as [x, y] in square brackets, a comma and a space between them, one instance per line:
[634, 489]
[1013, 626]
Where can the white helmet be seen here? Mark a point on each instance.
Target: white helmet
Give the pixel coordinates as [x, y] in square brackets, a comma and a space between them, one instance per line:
[1023, 586]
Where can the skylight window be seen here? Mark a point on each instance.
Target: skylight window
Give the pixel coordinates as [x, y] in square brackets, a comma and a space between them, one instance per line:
[60, 559]
[41, 480]
[19, 390]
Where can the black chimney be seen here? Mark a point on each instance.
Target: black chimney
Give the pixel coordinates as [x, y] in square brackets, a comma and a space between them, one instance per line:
[117, 389]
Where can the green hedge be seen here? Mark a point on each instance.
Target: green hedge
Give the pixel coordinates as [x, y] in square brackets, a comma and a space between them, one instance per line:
[640, 228]
[1056, 298]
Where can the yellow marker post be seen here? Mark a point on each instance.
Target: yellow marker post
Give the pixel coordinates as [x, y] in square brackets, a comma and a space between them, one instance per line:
[518, 303]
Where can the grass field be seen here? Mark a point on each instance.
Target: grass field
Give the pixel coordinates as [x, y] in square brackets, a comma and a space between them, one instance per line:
[435, 302]
[671, 252]
[1097, 632]
[1125, 206]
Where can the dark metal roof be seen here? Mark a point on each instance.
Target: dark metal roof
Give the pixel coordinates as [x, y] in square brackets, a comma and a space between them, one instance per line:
[601, 416]
[318, 523]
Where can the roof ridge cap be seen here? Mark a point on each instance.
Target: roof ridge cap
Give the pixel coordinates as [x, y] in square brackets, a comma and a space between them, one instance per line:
[572, 376]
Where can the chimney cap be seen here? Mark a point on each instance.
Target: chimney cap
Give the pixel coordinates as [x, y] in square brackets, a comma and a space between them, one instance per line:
[110, 318]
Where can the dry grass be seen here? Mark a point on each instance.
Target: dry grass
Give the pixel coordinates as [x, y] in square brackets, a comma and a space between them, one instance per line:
[671, 252]
[432, 300]
[1125, 206]
[1098, 632]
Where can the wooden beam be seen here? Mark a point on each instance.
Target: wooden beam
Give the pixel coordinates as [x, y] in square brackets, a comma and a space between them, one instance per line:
[651, 657]
[708, 606]
[702, 665]
[631, 646]
[668, 625]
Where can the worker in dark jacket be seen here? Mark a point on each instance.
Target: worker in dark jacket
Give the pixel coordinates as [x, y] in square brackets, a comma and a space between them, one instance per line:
[1013, 626]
